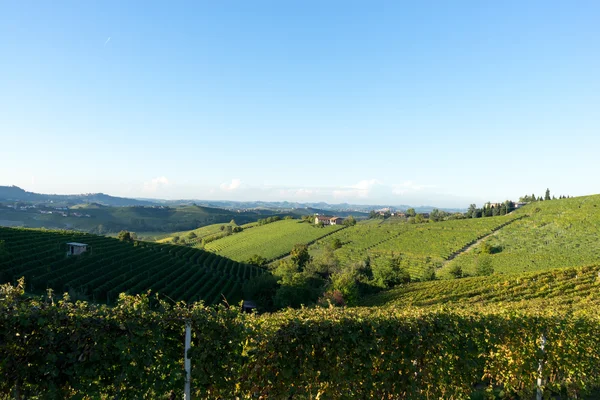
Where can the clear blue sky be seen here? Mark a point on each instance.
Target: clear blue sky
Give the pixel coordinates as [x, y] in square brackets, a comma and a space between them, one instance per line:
[441, 103]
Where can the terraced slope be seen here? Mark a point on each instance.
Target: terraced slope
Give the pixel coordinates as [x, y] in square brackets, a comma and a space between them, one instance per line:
[557, 233]
[420, 244]
[557, 289]
[269, 241]
[111, 267]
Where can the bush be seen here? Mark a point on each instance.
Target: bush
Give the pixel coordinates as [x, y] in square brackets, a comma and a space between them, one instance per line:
[456, 271]
[484, 265]
[261, 290]
[391, 274]
[257, 260]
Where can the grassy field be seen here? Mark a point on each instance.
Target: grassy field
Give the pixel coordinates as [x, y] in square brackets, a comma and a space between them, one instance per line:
[558, 233]
[269, 241]
[419, 244]
[111, 267]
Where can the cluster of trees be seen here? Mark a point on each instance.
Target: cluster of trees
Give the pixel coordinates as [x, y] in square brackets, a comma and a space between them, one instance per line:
[126, 236]
[490, 210]
[269, 220]
[303, 280]
[533, 198]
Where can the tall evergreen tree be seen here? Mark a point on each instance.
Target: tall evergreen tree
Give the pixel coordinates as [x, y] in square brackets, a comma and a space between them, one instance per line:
[547, 196]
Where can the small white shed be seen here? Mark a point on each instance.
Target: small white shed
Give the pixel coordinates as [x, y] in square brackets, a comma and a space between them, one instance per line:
[75, 248]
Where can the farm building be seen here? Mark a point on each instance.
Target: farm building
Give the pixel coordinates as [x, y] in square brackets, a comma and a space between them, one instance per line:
[328, 220]
[74, 248]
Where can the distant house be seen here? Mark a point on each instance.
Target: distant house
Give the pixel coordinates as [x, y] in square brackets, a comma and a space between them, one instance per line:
[336, 221]
[327, 220]
[75, 249]
[520, 204]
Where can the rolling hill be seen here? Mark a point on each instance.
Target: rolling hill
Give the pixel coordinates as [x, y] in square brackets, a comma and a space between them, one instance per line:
[112, 266]
[551, 234]
[419, 245]
[269, 241]
[100, 219]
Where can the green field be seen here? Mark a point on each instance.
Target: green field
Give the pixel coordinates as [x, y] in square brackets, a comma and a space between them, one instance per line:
[269, 241]
[418, 244]
[558, 233]
[112, 267]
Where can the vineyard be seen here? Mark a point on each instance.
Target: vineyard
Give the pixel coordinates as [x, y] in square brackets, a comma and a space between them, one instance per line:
[558, 233]
[188, 239]
[135, 350]
[111, 267]
[269, 241]
[569, 289]
[419, 244]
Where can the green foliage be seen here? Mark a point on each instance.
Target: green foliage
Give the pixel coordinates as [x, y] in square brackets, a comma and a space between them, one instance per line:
[300, 256]
[135, 350]
[391, 274]
[429, 273]
[262, 290]
[336, 243]
[346, 283]
[124, 236]
[350, 221]
[484, 265]
[297, 290]
[191, 236]
[411, 212]
[268, 220]
[257, 260]
[420, 218]
[456, 271]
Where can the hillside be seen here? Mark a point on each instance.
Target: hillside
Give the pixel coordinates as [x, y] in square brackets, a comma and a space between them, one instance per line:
[195, 236]
[111, 267]
[269, 241]
[100, 219]
[418, 245]
[557, 233]
[560, 289]
[16, 194]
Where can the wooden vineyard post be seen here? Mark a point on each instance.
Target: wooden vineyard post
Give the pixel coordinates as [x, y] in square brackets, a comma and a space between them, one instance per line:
[540, 380]
[187, 362]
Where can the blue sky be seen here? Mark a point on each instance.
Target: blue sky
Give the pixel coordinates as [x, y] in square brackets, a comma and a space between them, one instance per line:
[441, 103]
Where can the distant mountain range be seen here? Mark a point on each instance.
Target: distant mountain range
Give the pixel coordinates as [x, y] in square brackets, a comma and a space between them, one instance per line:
[287, 205]
[16, 194]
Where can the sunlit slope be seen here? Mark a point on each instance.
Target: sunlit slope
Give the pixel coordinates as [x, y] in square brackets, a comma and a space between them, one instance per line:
[562, 288]
[557, 233]
[269, 241]
[195, 236]
[419, 245]
[110, 267]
